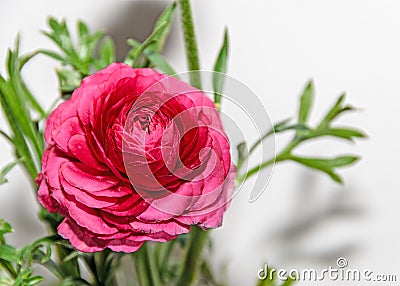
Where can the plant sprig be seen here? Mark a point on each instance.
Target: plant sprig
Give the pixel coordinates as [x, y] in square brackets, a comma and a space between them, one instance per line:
[147, 54]
[93, 52]
[304, 133]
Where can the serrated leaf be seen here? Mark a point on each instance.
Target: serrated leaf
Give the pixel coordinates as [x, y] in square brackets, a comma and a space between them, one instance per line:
[8, 253]
[306, 101]
[220, 69]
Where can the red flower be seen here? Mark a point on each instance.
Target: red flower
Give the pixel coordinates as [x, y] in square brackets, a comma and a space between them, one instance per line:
[133, 156]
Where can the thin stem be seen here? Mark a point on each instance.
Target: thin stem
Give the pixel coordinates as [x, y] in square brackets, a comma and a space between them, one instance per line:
[285, 154]
[146, 266]
[152, 265]
[164, 254]
[189, 35]
[193, 257]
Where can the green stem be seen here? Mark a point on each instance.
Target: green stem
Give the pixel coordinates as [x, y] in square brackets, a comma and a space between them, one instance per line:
[164, 254]
[146, 266]
[285, 154]
[141, 270]
[193, 257]
[189, 35]
[152, 265]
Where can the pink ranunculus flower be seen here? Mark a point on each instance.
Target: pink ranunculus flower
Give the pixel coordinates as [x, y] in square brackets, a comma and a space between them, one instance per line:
[133, 156]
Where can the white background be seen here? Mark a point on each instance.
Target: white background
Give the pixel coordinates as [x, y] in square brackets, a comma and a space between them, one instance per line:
[303, 220]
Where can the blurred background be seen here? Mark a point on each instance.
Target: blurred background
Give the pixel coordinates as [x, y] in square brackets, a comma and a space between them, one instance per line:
[303, 220]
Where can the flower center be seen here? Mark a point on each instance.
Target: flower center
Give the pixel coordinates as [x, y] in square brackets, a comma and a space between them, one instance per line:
[144, 120]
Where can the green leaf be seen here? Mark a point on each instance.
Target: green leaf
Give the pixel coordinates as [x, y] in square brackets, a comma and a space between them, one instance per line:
[86, 48]
[53, 23]
[158, 60]
[15, 98]
[243, 154]
[69, 281]
[27, 253]
[83, 29]
[5, 227]
[345, 133]
[80, 58]
[72, 256]
[153, 44]
[8, 253]
[242, 150]
[278, 128]
[15, 63]
[55, 268]
[326, 165]
[165, 21]
[334, 112]
[61, 36]
[220, 69]
[23, 276]
[69, 80]
[5, 281]
[33, 280]
[134, 54]
[5, 171]
[306, 101]
[305, 133]
[107, 53]
[18, 138]
[53, 55]
[155, 58]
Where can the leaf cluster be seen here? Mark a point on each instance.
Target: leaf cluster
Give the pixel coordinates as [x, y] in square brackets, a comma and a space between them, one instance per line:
[92, 52]
[304, 132]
